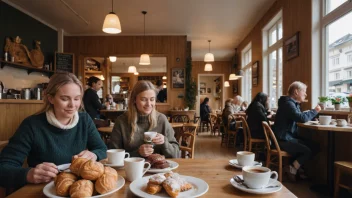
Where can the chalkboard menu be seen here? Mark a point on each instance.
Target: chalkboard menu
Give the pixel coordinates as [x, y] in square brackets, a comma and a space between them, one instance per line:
[64, 62]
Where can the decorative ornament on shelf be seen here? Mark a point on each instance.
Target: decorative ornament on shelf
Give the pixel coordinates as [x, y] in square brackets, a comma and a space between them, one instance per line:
[145, 59]
[112, 22]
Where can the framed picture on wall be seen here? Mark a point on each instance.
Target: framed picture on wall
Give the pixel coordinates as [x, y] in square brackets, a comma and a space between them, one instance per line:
[202, 91]
[292, 47]
[202, 84]
[255, 81]
[255, 68]
[208, 90]
[178, 77]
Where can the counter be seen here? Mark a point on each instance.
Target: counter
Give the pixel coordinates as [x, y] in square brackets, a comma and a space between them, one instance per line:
[20, 101]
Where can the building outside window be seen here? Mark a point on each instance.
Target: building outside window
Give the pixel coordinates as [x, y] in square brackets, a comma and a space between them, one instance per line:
[247, 73]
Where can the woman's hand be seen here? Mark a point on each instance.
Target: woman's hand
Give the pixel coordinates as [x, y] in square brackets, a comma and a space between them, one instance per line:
[159, 139]
[145, 150]
[86, 154]
[43, 172]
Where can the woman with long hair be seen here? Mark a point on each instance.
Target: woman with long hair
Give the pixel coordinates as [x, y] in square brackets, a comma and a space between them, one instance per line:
[128, 132]
[91, 99]
[53, 136]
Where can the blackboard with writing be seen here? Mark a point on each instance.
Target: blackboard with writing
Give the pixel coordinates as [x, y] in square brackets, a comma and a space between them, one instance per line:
[64, 62]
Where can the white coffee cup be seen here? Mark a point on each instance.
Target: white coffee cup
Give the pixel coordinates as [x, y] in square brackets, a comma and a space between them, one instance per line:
[257, 177]
[324, 120]
[148, 136]
[245, 158]
[134, 167]
[116, 156]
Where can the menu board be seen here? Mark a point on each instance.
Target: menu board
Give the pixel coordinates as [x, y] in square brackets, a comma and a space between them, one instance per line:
[64, 62]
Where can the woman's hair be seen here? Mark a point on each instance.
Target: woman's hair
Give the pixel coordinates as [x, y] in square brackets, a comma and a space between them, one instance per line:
[228, 102]
[206, 100]
[92, 80]
[138, 88]
[261, 98]
[55, 83]
[297, 85]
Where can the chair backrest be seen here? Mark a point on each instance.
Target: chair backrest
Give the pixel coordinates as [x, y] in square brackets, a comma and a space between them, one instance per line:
[246, 130]
[190, 139]
[190, 128]
[213, 119]
[180, 118]
[269, 135]
[230, 118]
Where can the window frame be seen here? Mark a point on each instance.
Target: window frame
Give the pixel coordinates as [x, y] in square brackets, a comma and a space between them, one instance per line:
[246, 88]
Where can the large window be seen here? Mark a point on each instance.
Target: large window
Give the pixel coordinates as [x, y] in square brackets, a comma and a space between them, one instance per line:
[247, 73]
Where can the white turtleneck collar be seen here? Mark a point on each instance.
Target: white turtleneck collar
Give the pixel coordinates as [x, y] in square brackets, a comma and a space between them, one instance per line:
[50, 116]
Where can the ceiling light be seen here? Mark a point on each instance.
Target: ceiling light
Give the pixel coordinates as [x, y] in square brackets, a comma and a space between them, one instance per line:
[136, 73]
[164, 86]
[164, 77]
[233, 77]
[112, 58]
[208, 67]
[112, 22]
[209, 57]
[226, 84]
[144, 60]
[132, 69]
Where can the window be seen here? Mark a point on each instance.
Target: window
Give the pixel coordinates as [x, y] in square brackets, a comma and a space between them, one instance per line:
[247, 73]
[337, 76]
[333, 4]
[272, 59]
[349, 58]
[349, 74]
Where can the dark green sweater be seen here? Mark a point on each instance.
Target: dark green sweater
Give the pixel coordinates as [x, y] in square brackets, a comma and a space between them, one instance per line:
[40, 142]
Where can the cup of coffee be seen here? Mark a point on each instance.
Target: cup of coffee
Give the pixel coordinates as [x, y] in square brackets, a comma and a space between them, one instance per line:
[148, 137]
[116, 156]
[324, 120]
[257, 177]
[134, 168]
[245, 158]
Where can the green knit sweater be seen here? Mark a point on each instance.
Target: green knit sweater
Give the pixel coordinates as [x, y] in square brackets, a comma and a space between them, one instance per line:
[40, 142]
[121, 136]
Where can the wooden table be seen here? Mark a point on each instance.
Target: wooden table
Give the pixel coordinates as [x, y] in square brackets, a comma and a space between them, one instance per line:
[331, 130]
[217, 173]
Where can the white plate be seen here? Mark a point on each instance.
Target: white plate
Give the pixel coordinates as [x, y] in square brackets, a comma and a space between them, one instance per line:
[272, 182]
[314, 122]
[234, 163]
[49, 189]
[200, 187]
[64, 167]
[105, 163]
[173, 165]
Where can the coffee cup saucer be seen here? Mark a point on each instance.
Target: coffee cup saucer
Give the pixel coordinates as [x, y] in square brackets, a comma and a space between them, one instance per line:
[114, 165]
[234, 163]
[272, 182]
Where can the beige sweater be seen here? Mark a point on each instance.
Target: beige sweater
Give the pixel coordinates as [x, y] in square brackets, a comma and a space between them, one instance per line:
[121, 135]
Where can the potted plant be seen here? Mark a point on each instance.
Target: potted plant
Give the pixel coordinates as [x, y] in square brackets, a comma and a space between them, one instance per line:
[349, 99]
[322, 101]
[337, 101]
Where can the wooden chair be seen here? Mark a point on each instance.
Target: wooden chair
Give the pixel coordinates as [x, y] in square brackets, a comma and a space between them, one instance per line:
[188, 140]
[248, 136]
[214, 123]
[180, 118]
[276, 151]
[231, 134]
[341, 167]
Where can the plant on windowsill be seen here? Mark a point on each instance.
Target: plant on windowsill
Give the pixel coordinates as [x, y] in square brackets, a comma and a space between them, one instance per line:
[322, 101]
[337, 101]
[349, 99]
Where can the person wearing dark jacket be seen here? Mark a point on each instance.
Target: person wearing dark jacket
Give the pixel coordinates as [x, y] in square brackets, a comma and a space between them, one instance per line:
[288, 114]
[256, 114]
[91, 99]
[205, 110]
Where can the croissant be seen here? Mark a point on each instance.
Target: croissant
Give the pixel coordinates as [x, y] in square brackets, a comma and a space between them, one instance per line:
[77, 164]
[172, 187]
[154, 184]
[92, 170]
[105, 183]
[111, 171]
[184, 185]
[82, 188]
[63, 183]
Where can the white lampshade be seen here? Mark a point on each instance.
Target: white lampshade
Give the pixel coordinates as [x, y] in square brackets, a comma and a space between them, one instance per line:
[132, 69]
[208, 67]
[164, 77]
[112, 24]
[226, 84]
[136, 73]
[144, 60]
[233, 77]
[112, 58]
[164, 86]
[209, 57]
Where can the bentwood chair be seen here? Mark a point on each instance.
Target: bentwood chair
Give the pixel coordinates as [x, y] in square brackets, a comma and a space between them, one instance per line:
[180, 118]
[248, 140]
[274, 155]
[342, 167]
[214, 125]
[188, 139]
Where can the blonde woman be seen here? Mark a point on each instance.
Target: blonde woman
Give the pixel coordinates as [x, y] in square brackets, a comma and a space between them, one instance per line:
[53, 136]
[128, 132]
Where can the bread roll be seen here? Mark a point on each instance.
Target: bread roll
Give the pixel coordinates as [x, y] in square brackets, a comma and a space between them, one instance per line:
[82, 188]
[63, 183]
[77, 164]
[111, 171]
[92, 170]
[105, 183]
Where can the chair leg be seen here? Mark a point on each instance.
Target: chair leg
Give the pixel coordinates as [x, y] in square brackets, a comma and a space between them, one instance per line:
[280, 168]
[337, 181]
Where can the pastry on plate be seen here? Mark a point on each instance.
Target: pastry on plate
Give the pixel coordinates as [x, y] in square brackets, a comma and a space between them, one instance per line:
[63, 183]
[82, 188]
[92, 170]
[157, 161]
[154, 183]
[105, 183]
[184, 185]
[77, 164]
[172, 187]
[111, 171]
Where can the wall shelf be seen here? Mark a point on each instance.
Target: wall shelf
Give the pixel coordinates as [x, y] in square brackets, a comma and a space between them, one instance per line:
[93, 72]
[29, 69]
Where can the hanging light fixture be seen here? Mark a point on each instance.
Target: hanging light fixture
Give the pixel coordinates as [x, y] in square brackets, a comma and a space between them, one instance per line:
[164, 77]
[209, 57]
[112, 22]
[136, 73]
[233, 77]
[144, 60]
[226, 84]
[132, 69]
[112, 58]
[208, 67]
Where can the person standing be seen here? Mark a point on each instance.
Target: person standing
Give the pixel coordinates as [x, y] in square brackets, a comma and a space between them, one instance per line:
[91, 99]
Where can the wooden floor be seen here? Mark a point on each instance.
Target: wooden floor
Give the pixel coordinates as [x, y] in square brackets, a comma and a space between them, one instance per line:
[208, 146]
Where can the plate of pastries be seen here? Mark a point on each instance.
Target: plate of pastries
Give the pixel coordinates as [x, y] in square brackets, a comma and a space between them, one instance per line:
[85, 178]
[159, 164]
[169, 184]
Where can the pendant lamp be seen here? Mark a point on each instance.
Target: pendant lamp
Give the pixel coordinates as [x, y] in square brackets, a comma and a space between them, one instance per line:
[145, 59]
[136, 73]
[209, 57]
[112, 22]
[164, 77]
[208, 67]
[112, 58]
[226, 84]
[132, 69]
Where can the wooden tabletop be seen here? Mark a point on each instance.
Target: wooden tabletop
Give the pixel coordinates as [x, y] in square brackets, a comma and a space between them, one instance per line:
[217, 173]
[334, 112]
[325, 127]
[176, 124]
[111, 110]
[105, 129]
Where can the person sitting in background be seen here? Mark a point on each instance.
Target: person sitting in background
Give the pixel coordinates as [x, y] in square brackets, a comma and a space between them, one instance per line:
[162, 93]
[109, 101]
[237, 103]
[205, 110]
[287, 115]
[91, 99]
[228, 110]
[128, 132]
[244, 106]
[53, 136]
[256, 114]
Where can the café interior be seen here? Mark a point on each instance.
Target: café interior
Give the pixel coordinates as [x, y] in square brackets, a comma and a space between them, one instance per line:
[198, 49]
